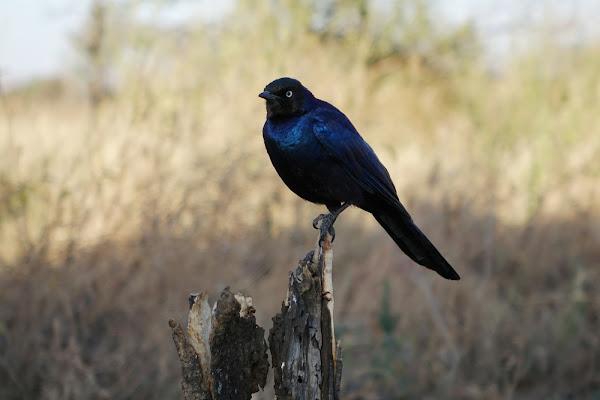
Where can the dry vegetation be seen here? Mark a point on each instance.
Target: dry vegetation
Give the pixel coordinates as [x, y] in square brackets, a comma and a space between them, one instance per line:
[111, 214]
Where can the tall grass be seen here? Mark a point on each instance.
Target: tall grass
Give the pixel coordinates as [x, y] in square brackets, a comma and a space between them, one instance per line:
[110, 215]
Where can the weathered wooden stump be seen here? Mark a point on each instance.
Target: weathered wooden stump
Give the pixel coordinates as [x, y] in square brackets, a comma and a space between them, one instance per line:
[225, 354]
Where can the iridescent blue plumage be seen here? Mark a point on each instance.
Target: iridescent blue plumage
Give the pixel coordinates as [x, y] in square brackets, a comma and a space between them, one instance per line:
[322, 158]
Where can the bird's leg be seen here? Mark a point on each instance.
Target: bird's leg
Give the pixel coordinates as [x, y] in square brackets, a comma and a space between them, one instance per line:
[327, 221]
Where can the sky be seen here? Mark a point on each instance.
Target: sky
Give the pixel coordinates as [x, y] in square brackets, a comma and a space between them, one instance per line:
[35, 35]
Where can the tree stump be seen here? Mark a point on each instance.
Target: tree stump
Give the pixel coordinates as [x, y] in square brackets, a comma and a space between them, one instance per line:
[225, 355]
[306, 358]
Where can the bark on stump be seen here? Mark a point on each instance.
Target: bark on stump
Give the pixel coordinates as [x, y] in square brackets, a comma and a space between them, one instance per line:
[307, 361]
[225, 354]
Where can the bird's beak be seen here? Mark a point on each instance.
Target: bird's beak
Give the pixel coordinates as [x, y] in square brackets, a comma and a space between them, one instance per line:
[268, 95]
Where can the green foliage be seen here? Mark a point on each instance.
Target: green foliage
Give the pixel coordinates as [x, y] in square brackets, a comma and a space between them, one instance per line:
[387, 320]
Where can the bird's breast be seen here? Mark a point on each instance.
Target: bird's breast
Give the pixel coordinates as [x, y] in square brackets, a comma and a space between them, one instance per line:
[305, 165]
[290, 135]
[292, 142]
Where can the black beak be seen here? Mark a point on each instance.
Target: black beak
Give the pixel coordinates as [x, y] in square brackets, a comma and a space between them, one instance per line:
[268, 96]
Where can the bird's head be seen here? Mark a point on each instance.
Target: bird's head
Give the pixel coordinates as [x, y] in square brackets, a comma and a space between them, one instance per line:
[286, 97]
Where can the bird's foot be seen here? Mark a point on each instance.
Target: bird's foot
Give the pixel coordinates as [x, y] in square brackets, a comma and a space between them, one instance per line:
[327, 221]
[326, 226]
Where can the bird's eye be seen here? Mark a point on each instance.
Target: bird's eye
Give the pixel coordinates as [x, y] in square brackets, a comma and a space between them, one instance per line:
[288, 93]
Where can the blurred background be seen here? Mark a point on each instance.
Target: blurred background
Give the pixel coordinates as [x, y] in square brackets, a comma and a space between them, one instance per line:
[133, 172]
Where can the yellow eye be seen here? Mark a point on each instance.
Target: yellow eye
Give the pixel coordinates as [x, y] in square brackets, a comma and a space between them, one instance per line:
[288, 93]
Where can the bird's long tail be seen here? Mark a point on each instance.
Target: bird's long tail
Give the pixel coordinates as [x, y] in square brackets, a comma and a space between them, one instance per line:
[414, 243]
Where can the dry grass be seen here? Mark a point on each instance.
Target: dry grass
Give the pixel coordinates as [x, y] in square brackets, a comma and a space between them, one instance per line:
[110, 216]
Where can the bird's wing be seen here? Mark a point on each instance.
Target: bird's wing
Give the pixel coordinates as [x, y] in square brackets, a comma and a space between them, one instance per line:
[342, 141]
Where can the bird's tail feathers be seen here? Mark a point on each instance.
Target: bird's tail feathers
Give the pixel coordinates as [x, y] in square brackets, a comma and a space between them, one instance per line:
[414, 243]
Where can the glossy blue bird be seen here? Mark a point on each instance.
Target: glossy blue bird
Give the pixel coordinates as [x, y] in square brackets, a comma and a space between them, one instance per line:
[322, 158]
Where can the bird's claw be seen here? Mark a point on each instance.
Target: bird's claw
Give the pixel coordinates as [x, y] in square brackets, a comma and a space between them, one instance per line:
[326, 226]
[316, 220]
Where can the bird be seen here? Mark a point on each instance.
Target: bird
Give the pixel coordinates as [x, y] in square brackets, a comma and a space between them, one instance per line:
[322, 158]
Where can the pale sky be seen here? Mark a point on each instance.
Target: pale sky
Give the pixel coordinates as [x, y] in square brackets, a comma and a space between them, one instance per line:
[35, 34]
